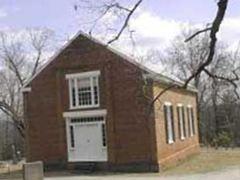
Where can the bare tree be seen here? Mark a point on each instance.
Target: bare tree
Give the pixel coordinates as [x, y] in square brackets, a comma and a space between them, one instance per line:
[183, 59]
[125, 12]
[20, 58]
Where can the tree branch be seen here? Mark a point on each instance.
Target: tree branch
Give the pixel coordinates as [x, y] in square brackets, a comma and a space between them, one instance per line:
[197, 33]
[17, 121]
[229, 80]
[125, 22]
[222, 6]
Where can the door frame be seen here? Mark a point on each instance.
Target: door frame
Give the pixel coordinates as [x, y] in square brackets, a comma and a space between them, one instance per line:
[83, 114]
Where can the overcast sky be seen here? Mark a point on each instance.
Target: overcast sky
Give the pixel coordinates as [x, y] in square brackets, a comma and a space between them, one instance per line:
[156, 22]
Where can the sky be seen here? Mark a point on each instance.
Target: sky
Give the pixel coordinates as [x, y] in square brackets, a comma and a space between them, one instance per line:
[155, 24]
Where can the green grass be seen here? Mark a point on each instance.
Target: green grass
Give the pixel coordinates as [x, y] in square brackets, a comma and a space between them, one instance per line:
[208, 160]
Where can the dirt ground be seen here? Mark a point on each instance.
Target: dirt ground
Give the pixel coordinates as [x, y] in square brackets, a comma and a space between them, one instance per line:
[209, 164]
[229, 174]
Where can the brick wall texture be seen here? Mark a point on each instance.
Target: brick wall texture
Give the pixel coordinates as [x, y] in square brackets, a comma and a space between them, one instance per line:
[135, 132]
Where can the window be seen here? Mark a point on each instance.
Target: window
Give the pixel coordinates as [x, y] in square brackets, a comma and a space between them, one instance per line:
[72, 141]
[181, 122]
[87, 119]
[191, 124]
[169, 123]
[103, 135]
[84, 89]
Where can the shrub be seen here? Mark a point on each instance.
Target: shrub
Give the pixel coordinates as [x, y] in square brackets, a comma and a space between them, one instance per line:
[223, 139]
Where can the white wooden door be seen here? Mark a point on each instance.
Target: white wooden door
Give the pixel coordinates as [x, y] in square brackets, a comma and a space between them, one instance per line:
[88, 140]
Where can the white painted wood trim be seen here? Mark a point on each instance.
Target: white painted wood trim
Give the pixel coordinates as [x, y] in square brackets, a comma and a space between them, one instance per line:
[26, 89]
[83, 75]
[84, 107]
[90, 113]
[167, 103]
[68, 136]
[70, 149]
[75, 77]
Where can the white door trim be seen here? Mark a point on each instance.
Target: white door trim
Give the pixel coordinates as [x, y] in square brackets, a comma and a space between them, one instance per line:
[80, 114]
[90, 113]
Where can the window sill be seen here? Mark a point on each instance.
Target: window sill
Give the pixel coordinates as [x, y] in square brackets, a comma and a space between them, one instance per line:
[170, 142]
[182, 138]
[84, 107]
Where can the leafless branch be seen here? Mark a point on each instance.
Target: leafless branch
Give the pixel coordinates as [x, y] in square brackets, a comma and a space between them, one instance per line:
[21, 58]
[39, 40]
[126, 22]
[197, 33]
[222, 6]
[232, 81]
[19, 124]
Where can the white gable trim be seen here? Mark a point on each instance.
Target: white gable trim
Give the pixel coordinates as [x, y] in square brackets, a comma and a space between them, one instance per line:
[90, 113]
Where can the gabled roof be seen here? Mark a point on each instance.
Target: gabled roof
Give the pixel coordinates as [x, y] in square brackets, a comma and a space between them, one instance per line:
[149, 73]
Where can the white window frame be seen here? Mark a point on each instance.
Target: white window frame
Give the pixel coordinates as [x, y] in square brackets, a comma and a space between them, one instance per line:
[180, 119]
[77, 76]
[170, 128]
[190, 120]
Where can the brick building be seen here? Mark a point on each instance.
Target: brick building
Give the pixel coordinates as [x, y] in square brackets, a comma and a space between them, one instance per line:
[93, 105]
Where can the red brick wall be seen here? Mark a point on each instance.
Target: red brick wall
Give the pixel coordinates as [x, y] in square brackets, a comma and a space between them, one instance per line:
[120, 93]
[133, 135]
[169, 154]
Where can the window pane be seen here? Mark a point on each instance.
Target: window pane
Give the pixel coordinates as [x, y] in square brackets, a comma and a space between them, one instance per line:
[180, 122]
[103, 135]
[168, 111]
[84, 91]
[95, 89]
[172, 123]
[73, 95]
[84, 83]
[190, 126]
[72, 141]
[166, 122]
[192, 118]
[184, 123]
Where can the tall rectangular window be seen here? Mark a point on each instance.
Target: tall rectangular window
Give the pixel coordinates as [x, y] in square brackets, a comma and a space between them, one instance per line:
[169, 123]
[181, 122]
[72, 140]
[191, 121]
[84, 89]
[104, 135]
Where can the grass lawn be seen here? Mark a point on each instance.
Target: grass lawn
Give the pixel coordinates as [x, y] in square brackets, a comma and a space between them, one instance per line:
[208, 160]
[13, 172]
